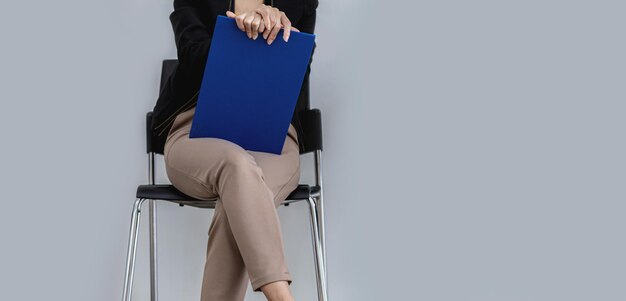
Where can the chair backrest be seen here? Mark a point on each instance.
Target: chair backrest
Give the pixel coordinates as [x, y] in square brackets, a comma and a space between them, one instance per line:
[167, 69]
[310, 120]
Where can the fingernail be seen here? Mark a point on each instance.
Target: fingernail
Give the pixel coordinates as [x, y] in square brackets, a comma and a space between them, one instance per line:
[269, 42]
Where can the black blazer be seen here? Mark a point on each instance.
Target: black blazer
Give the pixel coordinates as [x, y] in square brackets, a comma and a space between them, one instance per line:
[193, 22]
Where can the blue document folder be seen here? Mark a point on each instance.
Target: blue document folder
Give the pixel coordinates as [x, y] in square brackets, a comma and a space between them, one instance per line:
[250, 89]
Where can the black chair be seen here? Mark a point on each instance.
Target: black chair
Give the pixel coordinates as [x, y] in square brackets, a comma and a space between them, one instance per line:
[312, 142]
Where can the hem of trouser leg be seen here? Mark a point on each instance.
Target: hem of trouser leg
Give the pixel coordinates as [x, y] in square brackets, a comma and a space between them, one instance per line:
[258, 283]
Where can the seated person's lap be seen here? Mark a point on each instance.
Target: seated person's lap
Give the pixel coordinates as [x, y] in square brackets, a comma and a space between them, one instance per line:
[192, 165]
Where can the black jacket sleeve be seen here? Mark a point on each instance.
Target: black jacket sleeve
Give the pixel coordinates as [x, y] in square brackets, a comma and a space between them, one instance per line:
[192, 39]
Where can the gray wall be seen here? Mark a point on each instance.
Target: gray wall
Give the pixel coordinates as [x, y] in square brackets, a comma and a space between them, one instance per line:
[474, 150]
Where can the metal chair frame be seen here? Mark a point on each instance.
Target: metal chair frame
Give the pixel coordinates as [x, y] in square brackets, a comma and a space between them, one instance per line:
[315, 206]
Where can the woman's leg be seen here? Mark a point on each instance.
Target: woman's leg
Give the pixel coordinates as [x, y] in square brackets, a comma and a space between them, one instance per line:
[245, 239]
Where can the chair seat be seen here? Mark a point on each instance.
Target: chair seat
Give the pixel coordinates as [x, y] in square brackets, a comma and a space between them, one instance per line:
[168, 192]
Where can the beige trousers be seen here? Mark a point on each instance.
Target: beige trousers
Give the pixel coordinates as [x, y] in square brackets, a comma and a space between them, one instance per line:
[245, 239]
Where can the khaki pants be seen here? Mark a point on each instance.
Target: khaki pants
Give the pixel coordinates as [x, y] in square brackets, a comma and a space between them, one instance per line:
[245, 239]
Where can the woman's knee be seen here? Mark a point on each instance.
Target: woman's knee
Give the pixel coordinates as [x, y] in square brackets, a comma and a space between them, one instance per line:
[187, 182]
[210, 160]
[239, 160]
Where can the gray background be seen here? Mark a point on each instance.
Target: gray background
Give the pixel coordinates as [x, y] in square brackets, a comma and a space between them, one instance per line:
[474, 150]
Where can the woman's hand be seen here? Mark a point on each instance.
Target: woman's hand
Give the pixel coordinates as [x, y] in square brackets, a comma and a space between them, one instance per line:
[266, 19]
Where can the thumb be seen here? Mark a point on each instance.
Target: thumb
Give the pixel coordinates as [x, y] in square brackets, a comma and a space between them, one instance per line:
[230, 14]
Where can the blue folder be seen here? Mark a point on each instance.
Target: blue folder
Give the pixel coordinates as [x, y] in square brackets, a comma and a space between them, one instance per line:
[249, 89]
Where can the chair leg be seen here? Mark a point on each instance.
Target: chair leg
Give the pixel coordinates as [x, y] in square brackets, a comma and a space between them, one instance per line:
[154, 293]
[321, 223]
[320, 200]
[132, 248]
[320, 266]
[152, 209]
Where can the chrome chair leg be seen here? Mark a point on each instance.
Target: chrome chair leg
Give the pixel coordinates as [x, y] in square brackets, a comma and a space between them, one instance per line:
[152, 208]
[320, 222]
[154, 293]
[320, 200]
[320, 266]
[132, 249]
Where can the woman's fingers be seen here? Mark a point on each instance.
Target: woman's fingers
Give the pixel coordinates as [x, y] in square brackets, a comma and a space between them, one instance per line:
[247, 23]
[264, 11]
[256, 22]
[286, 26]
[275, 28]
[264, 19]
[238, 19]
[267, 32]
[271, 20]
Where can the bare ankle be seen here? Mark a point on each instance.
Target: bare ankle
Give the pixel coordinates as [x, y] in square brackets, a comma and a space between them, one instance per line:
[277, 291]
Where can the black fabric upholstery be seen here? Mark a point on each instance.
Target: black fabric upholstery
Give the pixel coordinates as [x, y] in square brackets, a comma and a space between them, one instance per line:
[311, 120]
[167, 69]
[170, 193]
